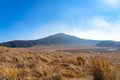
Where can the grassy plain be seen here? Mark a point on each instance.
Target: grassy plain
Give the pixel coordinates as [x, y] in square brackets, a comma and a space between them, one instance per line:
[59, 63]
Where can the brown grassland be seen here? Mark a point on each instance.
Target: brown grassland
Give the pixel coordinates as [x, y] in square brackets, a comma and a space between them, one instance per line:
[57, 64]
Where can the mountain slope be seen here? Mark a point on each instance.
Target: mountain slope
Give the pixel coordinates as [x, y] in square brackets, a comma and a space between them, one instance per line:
[57, 39]
[109, 44]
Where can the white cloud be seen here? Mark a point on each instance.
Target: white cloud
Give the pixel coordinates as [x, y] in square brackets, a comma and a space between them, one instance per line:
[99, 22]
[97, 28]
[100, 29]
[110, 2]
[108, 5]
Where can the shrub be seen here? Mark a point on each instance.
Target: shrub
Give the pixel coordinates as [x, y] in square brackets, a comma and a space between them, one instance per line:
[9, 73]
[103, 70]
[80, 60]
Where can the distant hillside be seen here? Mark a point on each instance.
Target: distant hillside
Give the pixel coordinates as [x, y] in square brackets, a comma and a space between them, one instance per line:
[57, 39]
[109, 44]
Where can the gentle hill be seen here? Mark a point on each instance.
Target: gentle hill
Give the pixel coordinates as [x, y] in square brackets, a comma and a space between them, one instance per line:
[57, 39]
[109, 44]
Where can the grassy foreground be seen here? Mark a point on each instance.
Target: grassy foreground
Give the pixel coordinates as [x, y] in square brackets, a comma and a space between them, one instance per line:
[24, 64]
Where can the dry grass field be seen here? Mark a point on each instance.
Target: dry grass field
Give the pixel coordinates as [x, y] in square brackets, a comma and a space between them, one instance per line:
[58, 63]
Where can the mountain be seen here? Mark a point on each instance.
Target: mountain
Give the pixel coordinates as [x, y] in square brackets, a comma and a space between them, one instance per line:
[57, 39]
[109, 44]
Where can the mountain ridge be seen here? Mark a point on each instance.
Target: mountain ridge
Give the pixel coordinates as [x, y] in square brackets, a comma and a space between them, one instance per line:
[56, 39]
[109, 43]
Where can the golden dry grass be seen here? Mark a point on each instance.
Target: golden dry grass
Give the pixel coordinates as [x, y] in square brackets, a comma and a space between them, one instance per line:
[9, 73]
[41, 65]
[26, 64]
[103, 70]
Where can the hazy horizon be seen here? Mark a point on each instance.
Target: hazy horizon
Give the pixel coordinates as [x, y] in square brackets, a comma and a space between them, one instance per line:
[56, 34]
[35, 19]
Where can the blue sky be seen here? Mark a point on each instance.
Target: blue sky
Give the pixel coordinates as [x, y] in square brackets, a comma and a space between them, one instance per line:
[34, 19]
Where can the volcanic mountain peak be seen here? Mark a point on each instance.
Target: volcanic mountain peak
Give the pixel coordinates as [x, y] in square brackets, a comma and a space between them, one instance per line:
[61, 35]
[57, 39]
